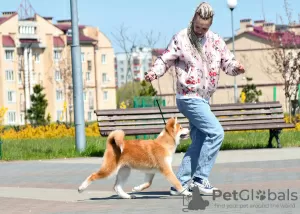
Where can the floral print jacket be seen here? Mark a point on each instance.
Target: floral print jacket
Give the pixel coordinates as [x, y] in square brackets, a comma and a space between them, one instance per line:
[196, 76]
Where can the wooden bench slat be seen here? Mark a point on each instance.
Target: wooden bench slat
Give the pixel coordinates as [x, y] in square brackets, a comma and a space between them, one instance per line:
[129, 132]
[155, 110]
[258, 127]
[185, 120]
[186, 125]
[251, 117]
[235, 120]
[245, 122]
[179, 115]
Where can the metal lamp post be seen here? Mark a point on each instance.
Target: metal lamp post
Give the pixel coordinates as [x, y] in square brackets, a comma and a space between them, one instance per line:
[80, 138]
[232, 4]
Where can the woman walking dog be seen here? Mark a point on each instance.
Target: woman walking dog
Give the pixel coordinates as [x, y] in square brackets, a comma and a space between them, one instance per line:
[198, 54]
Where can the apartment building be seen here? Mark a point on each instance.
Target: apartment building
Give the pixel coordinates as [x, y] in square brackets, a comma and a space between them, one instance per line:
[36, 50]
[138, 60]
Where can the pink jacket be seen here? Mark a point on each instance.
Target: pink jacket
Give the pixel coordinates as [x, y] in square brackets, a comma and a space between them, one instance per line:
[196, 77]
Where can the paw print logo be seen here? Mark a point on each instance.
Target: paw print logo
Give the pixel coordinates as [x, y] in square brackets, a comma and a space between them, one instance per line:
[261, 195]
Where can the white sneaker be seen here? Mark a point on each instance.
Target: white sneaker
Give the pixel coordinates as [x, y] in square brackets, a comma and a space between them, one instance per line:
[173, 191]
[204, 186]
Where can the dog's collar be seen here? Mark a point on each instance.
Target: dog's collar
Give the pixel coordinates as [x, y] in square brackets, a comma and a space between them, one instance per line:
[170, 134]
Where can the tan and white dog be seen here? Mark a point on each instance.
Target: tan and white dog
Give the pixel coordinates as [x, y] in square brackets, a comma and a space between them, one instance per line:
[149, 156]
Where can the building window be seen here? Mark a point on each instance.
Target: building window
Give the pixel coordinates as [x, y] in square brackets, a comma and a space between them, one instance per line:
[105, 95]
[9, 55]
[11, 117]
[69, 32]
[59, 115]
[58, 76]
[40, 79]
[20, 77]
[9, 75]
[103, 58]
[88, 76]
[59, 95]
[22, 119]
[11, 96]
[20, 62]
[82, 56]
[89, 65]
[37, 57]
[84, 96]
[89, 116]
[57, 55]
[33, 77]
[104, 77]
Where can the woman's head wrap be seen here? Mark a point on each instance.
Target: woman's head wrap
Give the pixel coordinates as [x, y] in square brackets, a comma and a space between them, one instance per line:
[205, 11]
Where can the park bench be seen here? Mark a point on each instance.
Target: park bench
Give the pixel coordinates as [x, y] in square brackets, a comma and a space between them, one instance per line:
[233, 117]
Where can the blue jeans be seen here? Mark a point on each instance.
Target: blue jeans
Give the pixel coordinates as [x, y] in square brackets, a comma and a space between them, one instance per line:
[207, 136]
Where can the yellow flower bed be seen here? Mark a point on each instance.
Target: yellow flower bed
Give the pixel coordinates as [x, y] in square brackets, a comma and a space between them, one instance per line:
[59, 131]
[50, 131]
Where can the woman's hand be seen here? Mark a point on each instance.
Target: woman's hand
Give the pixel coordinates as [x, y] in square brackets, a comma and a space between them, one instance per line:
[240, 68]
[150, 76]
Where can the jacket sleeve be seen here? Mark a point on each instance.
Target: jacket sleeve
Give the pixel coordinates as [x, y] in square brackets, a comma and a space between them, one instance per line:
[168, 57]
[228, 61]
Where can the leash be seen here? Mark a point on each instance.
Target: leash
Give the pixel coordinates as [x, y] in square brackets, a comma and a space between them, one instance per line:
[159, 106]
[190, 181]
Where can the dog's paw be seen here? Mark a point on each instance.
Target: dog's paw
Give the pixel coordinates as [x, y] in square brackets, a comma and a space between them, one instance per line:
[186, 193]
[136, 189]
[132, 196]
[80, 189]
[128, 196]
[83, 186]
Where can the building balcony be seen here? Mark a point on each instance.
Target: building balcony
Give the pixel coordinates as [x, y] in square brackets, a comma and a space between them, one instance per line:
[28, 30]
[91, 103]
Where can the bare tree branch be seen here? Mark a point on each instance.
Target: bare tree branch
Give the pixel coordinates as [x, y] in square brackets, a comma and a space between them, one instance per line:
[285, 58]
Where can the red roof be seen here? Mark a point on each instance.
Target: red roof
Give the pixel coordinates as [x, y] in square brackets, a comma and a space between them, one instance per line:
[65, 27]
[7, 41]
[58, 42]
[287, 37]
[82, 38]
[4, 19]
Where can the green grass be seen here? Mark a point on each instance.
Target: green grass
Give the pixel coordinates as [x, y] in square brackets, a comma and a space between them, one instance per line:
[35, 149]
[252, 140]
[50, 148]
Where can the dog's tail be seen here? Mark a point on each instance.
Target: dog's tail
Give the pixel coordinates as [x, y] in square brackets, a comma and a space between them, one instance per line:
[114, 148]
[116, 137]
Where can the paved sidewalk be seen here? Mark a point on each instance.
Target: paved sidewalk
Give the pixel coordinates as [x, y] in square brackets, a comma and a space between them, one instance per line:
[50, 186]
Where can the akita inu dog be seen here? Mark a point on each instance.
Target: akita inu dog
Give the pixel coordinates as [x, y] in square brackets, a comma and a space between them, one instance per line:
[150, 156]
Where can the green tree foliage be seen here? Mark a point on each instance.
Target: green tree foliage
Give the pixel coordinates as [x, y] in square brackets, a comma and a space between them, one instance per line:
[251, 92]
[128, 91]
[147, 89]
[37, 111]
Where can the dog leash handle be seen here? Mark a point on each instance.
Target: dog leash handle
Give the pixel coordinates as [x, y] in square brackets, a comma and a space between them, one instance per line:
[158, 106]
